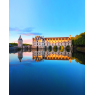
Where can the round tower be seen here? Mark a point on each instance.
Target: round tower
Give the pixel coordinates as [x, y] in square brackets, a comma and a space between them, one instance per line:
[20, 42]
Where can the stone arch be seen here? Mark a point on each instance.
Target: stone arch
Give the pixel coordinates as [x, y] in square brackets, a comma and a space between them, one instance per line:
[50, 48]
[55, 48]
[61, 48]
[68, 50]
[68, 47]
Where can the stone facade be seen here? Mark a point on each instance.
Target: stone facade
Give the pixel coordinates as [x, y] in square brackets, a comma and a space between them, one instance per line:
[20, 42]
[41, 42]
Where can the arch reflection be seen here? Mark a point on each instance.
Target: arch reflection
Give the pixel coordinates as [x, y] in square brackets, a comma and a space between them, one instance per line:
[42, 55]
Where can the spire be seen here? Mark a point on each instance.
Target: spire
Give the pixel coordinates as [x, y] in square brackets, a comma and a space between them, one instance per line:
[20, 37]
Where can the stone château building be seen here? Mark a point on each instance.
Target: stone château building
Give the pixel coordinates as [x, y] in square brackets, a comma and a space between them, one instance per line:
[41, 42]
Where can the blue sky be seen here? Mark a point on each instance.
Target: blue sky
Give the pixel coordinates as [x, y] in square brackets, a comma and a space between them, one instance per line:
[48, 18]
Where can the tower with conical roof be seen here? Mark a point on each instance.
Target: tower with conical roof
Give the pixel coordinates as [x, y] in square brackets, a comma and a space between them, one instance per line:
[20, 42]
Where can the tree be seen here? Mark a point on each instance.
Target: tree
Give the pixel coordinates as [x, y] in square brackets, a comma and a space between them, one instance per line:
[78, 40]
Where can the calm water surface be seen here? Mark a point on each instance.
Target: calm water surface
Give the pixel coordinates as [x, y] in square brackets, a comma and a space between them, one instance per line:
[33, 72]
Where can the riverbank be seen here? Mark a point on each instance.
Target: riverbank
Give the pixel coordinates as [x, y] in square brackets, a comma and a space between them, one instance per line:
[80, 49]
[14, 48]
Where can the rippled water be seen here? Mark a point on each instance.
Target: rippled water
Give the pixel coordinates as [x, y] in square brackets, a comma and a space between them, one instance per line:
[41, 72]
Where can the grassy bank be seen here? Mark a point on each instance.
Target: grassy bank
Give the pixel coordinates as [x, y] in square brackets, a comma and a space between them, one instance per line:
[16, 44]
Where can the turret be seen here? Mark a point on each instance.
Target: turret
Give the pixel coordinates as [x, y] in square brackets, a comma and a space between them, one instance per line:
[20, 42]
[70, 36]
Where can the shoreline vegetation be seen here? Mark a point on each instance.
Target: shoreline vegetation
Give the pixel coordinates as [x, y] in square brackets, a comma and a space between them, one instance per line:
[78, 42]
[16, 44]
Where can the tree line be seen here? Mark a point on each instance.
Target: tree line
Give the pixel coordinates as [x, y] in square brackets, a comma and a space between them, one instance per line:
[16, 44]
[78, 40]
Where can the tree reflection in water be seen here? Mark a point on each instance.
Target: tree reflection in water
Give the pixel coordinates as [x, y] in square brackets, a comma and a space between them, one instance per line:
[79, 57]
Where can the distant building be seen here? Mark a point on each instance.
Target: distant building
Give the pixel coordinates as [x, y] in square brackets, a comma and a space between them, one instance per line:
[20, 42]
[41, 42]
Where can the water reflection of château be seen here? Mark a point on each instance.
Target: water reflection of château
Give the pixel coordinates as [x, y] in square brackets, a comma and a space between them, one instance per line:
[42, 55]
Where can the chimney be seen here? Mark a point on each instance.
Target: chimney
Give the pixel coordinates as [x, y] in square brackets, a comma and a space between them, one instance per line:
[70, 36]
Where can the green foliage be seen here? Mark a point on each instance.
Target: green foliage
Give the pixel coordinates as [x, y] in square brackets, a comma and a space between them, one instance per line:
[16, 44]
[81, 49]
[68, 47]
[78, 48]
[55, 47]
[50, 48]
[79, 57]
[78, 40]
[13, 44]
[68, 50]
